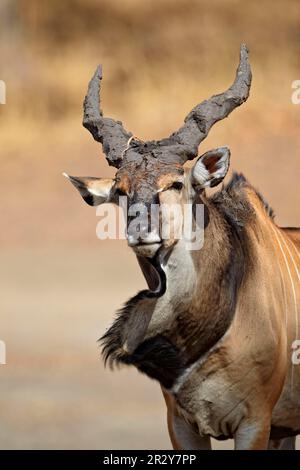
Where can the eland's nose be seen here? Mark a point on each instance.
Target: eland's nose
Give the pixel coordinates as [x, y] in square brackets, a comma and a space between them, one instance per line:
[143, 225]
[142, 236]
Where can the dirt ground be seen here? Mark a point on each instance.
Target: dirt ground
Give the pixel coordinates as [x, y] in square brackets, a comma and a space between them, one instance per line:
[55, 392]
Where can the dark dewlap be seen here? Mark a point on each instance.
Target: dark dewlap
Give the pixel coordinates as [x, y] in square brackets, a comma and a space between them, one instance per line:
[158, 358]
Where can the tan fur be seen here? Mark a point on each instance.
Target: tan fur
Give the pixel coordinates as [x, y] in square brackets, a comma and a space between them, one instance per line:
[249, 383]
[171, 413]
[124, 184]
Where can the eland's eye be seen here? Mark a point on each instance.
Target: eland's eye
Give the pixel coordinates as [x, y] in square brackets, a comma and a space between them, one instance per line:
[177, 185]
[120, 192]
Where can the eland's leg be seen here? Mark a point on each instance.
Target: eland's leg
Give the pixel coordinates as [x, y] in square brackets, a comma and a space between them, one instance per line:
[288, 443]
[253, 435]
[182, 434]
[184, 437]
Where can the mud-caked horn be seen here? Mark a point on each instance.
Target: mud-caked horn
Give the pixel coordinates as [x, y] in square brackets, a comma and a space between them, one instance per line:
[199, 121]
[110, 133]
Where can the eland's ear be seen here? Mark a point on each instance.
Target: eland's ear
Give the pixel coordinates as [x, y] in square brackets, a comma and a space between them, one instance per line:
[94, 191]
[210, 169]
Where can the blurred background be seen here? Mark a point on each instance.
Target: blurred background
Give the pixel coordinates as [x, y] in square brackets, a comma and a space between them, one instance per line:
[60, 286]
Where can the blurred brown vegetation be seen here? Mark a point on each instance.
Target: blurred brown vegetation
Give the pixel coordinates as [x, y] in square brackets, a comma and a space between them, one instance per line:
[60, 284]
[160, 58]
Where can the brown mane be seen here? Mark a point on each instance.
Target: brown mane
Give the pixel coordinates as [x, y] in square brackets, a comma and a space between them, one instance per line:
[232, 201]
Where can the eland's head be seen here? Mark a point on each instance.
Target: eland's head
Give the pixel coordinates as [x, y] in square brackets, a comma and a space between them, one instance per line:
[152, 174]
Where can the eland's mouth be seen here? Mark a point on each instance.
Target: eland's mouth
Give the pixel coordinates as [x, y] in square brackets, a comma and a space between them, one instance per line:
[153, 271]
[146, 246]
[148, 239]
[146, 250]
[154, 275]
